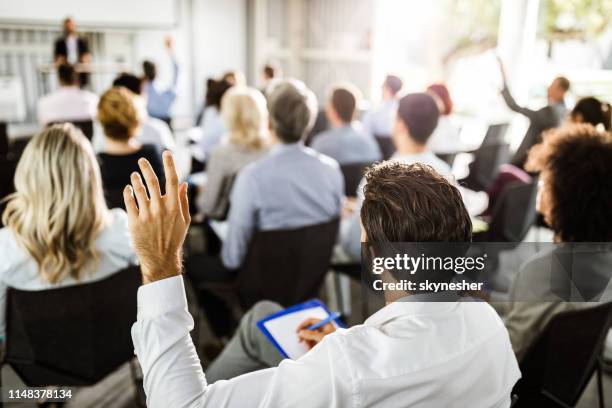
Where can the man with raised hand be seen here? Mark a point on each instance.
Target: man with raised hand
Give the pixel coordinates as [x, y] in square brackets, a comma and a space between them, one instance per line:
[410, 353]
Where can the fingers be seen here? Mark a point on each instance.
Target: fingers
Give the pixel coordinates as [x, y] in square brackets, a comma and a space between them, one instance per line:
[184, 200]
[141, 192]
[307, 323]
[172, 184]
[130, 201]
[310, 335]
[151, 180]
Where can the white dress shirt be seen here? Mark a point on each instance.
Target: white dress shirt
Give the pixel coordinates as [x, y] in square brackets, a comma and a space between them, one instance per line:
[66, 104]
[409, 354]
[445, 139]
[19, 270]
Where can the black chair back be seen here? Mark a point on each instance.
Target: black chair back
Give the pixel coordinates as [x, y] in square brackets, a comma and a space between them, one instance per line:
[86, 126]
[495, 134]
[7, 186]
[485, 167]
[353, 173]
[74, 335]
[562, 360]
[4, 141]
[386, 146]
[514, 213]
[221, 211]
[286, 266]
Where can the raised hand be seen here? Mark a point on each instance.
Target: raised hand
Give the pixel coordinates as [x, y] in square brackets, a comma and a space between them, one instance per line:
[158, 224]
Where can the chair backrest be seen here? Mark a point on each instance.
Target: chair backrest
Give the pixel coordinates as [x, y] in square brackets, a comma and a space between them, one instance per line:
[86, 126]
[223, 199]
[386, 146]
[7, 175]
[485, 167]
[561, 361]
[74, 335]
[353, 173]
[495, 134]
[514, 213]
[286, 266]
[4, 141]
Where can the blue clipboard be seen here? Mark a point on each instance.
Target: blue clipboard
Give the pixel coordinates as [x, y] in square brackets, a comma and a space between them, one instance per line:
[291, 309]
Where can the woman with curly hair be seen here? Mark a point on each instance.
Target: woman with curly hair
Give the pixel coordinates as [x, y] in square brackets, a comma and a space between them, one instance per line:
[575, 198]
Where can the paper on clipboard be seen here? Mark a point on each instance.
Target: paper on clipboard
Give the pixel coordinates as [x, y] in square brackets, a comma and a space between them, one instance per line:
[281, 327]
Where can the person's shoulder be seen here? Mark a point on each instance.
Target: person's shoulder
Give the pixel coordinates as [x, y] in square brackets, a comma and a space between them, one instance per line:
[321, 158]
[9, 250]
[155, 124]
[115, 231]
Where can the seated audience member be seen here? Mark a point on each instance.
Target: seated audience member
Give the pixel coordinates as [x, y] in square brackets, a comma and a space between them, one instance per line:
[213, 128]
[274, 192]
[69, 102]
[269, 73]
[152, 130]
[574, 196]
[417, 117]
[445, 139]
[59, 231]
[410, 353]
[592, 110]
[379, 121]
[548, 117]
[345, 141]
[246, 118]
[159, 101]
[235, 78]
[120, 120]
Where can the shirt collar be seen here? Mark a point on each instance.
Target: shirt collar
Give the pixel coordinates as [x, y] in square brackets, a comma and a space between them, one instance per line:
[413, 305]
[280, 148]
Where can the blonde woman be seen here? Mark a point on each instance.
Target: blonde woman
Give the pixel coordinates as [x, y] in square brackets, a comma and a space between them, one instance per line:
[120, 120]
[244, 113]
[59, 231]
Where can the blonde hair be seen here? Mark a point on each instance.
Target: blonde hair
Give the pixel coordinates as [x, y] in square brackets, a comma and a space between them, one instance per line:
[118, 113]
[244, 112]
[58, 207]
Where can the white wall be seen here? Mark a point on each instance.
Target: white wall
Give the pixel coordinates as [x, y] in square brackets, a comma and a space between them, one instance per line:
[220, 39]
[210, 39]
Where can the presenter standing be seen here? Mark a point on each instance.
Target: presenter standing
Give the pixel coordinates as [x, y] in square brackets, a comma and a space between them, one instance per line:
[72, 49]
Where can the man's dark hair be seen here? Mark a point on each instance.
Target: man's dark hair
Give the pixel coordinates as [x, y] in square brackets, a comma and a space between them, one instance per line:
[420, 114]
[394, 84]
[593, 111]
[578, 163]
[270, 71]
[344, 101]
[149, 69]
[66, 74]
[412, 203]
[129, 81]
[215, 91]
[563, 82]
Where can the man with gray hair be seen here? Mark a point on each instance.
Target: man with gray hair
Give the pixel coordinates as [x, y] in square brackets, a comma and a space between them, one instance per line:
[274, 192]
[292, 187]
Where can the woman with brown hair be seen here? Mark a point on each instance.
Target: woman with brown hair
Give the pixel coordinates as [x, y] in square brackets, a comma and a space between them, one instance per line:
[120, 121]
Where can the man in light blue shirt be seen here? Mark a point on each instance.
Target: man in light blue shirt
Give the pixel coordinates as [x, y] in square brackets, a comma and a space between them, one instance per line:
[159, 102]
[379, 121]
[293, 186]
[345, 141]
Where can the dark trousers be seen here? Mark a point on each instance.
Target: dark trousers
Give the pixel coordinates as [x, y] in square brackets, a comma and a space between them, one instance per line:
[208, 269]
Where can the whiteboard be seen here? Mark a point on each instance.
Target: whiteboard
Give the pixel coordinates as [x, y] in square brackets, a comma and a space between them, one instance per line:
[92, 13]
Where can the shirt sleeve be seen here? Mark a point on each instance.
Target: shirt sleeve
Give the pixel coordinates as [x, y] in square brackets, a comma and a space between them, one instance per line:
[512, 105]
[241, 220]
[173, 375]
